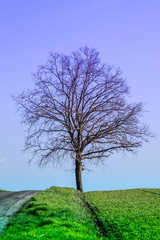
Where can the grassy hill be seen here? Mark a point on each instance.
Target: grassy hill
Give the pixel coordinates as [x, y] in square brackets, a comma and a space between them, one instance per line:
[65, 213]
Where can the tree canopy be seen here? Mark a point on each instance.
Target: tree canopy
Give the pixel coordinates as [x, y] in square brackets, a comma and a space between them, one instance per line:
[79, 108]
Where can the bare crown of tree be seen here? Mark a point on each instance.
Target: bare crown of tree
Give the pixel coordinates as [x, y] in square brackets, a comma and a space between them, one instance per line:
[79, 107]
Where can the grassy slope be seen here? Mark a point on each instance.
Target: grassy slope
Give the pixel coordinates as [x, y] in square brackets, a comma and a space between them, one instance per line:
[128, 214]
[56, 213]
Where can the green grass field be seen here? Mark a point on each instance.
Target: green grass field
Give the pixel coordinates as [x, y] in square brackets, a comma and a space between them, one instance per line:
[128, 214]
[65, 213]
[56, 213]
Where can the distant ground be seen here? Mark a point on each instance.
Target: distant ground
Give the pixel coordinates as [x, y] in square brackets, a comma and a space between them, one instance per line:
[1, 191]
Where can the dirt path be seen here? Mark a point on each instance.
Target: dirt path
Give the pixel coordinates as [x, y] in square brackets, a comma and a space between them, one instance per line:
[11, 202]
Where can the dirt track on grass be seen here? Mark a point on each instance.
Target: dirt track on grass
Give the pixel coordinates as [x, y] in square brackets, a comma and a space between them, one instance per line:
[11, 202]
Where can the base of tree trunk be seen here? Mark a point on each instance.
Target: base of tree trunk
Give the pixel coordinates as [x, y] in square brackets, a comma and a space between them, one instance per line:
[78, 170]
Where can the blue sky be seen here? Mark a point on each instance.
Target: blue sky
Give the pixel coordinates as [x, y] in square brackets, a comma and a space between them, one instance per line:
[127, 35]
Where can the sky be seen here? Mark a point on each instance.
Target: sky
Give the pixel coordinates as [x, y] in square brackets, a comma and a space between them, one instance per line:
[127, 35]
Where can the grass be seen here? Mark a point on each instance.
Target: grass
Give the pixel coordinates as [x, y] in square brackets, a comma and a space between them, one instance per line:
[56, 213]
[127, 214]
[1, 191]
[65, 213]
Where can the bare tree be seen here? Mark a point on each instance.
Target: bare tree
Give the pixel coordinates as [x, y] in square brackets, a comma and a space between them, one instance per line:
[78, 107]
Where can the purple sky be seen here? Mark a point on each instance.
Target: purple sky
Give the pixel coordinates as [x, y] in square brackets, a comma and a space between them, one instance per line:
[127, 35]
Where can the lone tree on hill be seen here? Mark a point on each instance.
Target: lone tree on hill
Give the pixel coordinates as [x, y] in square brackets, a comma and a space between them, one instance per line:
[78, 107]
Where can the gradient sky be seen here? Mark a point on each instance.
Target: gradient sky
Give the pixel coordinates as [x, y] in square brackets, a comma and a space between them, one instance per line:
[127, 35]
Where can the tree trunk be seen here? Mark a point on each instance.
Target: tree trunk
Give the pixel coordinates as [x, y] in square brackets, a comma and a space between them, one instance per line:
[78, 170]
